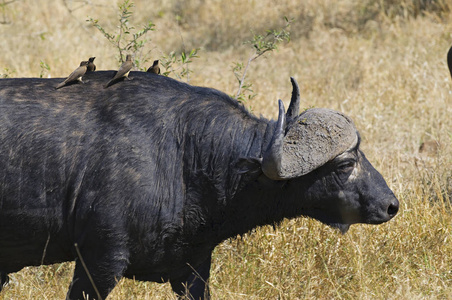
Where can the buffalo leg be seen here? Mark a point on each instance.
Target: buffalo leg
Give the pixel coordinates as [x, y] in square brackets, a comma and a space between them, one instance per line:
[195, 287]
[96, 276]
[3, 279]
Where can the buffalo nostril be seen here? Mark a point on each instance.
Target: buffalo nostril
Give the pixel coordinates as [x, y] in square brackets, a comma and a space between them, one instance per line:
[393, 209]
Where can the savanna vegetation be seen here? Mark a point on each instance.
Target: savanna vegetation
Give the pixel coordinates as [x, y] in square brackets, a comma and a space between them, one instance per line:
[382, 62]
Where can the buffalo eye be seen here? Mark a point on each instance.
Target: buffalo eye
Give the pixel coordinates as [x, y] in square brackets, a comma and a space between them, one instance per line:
[346, 167]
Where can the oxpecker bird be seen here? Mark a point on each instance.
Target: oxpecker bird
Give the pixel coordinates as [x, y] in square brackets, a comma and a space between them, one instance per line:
[154, 68]
[91, 65]
[76, 75]
[123, 70]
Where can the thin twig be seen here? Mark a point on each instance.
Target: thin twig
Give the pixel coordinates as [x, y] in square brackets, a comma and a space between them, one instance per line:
[183, 49]
[242, 80]
[120, 36]
[45, 250]
[9, 2]
[86, 270]
[3, 5]
[196, 273]
[69, 10]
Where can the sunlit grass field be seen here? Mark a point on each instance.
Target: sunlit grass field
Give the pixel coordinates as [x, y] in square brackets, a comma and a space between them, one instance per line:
[383, 63]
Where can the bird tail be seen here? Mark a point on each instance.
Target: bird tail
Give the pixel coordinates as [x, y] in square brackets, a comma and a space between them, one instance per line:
[108, 84]
[60, 85]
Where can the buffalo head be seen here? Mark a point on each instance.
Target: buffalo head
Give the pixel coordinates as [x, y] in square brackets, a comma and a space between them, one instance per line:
[317, 153]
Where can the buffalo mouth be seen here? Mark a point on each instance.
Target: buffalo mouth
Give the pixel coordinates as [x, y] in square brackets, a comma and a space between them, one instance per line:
[381, 218]
[342, 220]
[326, 218]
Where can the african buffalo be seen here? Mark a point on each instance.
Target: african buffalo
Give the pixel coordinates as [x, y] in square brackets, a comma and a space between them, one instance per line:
[449, 60]
[145, 178]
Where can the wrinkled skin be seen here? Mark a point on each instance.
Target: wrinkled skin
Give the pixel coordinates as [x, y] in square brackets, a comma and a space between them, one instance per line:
[144, 177]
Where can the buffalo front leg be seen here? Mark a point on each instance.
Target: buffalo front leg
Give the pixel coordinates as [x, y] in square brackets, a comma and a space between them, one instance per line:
[3, 279]
[195, 286]
[95, 276]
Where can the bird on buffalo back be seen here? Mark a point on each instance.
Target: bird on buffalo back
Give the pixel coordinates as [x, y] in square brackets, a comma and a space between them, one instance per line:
[154, 68]
[123, 70]
[76, 75]
[91, 65]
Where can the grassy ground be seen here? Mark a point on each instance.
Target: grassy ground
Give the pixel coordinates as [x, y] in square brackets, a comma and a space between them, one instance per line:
[381, 62]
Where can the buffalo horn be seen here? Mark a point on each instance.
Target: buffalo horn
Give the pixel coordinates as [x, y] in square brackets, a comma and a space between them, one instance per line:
[312, 139]
[294, 107]
[272, 158]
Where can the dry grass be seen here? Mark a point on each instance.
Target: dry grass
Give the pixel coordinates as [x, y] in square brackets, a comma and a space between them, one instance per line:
[383, 67]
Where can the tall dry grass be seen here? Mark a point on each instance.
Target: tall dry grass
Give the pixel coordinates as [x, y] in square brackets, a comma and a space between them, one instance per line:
[381, 62]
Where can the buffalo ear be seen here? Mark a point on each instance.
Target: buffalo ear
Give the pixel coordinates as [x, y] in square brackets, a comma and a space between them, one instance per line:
[248, 165]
